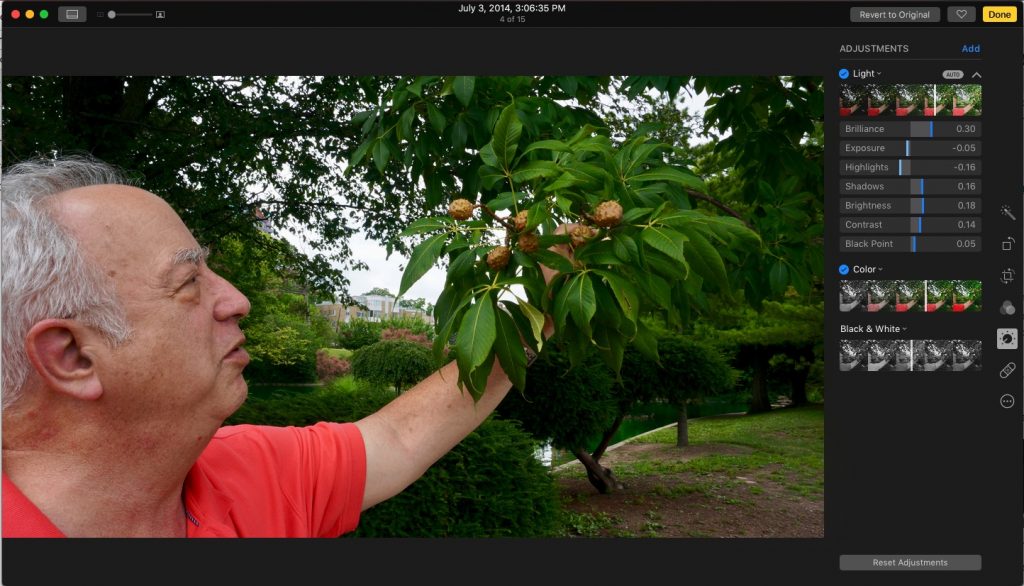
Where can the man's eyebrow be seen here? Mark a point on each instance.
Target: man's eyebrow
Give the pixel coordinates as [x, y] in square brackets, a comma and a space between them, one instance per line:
[192, 256]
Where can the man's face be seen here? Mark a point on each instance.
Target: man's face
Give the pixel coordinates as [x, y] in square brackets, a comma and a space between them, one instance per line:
[182, 367]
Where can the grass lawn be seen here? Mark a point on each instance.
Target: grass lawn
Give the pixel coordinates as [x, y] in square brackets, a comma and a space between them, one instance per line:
[742, 476]
[790, 441]
[338, 353]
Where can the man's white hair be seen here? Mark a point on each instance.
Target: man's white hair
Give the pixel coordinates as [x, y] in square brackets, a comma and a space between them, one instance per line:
[44, 274]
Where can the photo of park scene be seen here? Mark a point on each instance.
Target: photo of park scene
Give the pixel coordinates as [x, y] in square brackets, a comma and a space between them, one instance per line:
[909, 355]
[930, 296]
[910, 100]
[947, 355]
[385, 226]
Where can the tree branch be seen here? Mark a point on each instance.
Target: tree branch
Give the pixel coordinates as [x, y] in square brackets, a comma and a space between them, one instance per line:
[704, 197]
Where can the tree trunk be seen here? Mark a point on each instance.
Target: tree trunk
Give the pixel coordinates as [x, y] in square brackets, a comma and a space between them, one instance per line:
[602, 478]
[800, 388]
[682, 428]
[800, 381]
[607, 437]
[759, 402]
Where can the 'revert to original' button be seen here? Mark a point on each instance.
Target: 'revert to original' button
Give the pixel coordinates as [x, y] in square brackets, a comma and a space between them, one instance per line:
[999, 13]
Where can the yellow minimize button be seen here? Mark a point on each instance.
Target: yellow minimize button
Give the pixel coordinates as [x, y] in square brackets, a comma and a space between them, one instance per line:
[999, 13]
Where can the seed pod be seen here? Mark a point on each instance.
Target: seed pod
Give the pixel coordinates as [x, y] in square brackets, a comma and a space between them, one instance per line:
[608, 214]
[520, 221]
[528, 242]
[581, 235]
[461, 209]
[498, 257]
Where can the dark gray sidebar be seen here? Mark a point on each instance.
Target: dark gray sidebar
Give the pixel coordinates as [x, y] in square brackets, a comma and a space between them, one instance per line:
[910, 563]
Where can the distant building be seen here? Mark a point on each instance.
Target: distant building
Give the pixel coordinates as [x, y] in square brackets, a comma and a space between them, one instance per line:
[263, 223]
[378, 307]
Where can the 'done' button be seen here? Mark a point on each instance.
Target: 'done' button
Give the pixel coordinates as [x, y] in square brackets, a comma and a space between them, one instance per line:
[999, 13]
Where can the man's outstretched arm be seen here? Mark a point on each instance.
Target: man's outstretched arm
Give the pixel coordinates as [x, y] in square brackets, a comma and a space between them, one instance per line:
[412, 432]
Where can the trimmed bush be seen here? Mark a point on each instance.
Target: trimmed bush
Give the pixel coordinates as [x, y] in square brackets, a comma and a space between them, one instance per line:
[357, 333]
[567, 405]
[329, 367]
[407, 335]
[301, 409]
[397, 363]
[490, 485]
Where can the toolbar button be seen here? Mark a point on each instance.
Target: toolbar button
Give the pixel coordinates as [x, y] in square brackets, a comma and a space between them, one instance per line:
[71, 13]
[999, 13]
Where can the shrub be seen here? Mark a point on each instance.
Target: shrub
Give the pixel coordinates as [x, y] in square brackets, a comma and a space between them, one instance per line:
[300, 409]
[393, 362]
[329, 367]
[566, 405]
[415, 324]
[358, 333]
[490, 485]
[404, 334]
[282, 348]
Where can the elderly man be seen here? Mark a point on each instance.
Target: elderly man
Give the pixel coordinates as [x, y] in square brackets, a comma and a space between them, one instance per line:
[123, 356]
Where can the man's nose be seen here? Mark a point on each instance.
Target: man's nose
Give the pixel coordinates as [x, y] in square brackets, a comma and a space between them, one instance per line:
[231, 303]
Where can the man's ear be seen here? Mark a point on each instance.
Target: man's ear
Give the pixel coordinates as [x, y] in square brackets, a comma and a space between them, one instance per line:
[59, 349]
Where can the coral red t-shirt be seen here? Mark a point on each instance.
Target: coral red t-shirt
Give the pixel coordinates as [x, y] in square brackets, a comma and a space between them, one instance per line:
[253, 481]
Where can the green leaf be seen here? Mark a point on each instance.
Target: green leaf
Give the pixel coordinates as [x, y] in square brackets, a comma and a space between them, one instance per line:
[624, 247]
[437, 119]
[656, 288]
[381, 154]
[423, 258]
[663, 240]
[488, 157]
[635, 214]
[704, 258]
[503, 201]
[536, 321]
[625, 293]
[477, 380]
[490, 176]
[510, 351]
[463, 88]
[611, 347]
[672, 175]
[582, 303]
[551, 145]
[553, 260]
[778, 277]
[535, 170]
[645, 342]
[461, 265]
[426, 225]
[444, 333]
[476, 333]
[506, 136]
[565, 181]
[357, 156]
[537, 215]
[405, 123]
[460, 132]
